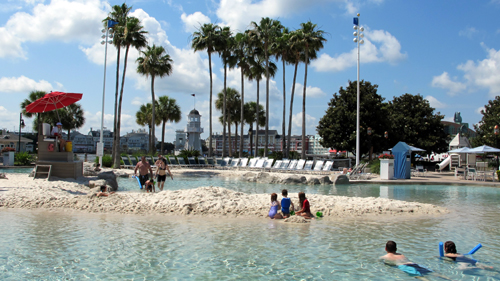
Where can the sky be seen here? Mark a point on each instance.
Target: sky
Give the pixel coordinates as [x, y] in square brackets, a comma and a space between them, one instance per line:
[446, 51]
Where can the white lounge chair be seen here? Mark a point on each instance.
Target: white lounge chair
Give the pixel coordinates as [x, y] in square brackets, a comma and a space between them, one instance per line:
[300, 164]
[284, 164]
[244, 162]
[318, 166]
[268, 164]
[309, 165]
[277, 164]
[260, 163]
[327, 167]
[235, 162]
[292, 165]
[252, 162]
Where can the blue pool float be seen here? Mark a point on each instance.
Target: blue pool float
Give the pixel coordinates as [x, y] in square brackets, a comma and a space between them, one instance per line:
[138, 181]
[474, 250]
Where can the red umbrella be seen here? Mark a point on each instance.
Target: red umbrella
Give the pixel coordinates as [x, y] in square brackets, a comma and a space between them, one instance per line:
[53, 101]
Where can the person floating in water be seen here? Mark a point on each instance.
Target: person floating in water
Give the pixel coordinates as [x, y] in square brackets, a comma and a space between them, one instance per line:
[401, 262]
[464, 262]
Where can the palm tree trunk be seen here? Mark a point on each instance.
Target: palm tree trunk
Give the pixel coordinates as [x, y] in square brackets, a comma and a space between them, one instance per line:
[236, 138]
[152, 140]
[113, 149]
[267, 102]
[163, 136]
[304, 109]
[250, 135]
[257, 122]
[229, 134]
[242, 112]
[283, 135]
[224, 117]
[210, 119]
[291, 110]
[116, 160]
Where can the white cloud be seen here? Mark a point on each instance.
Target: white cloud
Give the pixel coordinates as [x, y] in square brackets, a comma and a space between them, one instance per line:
[485, 73]
[479, 109]
[10, 118]
[93, 120]
[443, 81]
[468, 32]
[23, 84]
[311, 124]
[434, 102]
[10, 45]
[380, 46]
[193, 21]
[311, 92]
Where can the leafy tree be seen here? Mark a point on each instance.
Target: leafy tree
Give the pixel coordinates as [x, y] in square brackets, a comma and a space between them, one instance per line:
[39, 119]
[413, 121]
[231, 106]
[144, 117]
[338, 126]
[311, 40]
[168, 146]
[485, 129]
[266, 33]
[206, 38]
[168, 110]
[133, 35]
[71, 117]
[250, 117]
[154, 62]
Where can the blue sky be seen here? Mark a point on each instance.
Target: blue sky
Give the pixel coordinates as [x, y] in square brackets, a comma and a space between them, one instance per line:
[447, 51]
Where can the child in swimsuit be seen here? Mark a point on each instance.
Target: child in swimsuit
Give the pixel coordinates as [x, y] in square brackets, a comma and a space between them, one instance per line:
[275, 206]
[306, 209]
[285, 204]
[150, 186]
[464, 262]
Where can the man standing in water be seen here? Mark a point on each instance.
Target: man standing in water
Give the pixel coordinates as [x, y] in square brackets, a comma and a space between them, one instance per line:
[143, 167]
[161, 174]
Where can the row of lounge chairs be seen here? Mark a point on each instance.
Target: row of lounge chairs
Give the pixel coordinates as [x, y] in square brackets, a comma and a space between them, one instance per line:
[257, 163]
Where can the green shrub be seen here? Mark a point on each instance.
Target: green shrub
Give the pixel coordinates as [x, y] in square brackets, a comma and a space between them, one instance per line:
[189, 153]
[107, 160]
[22, 159]
[294, 155]
[374, 166]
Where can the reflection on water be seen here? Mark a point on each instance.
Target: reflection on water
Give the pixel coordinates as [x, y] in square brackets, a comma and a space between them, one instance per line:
[57, 245]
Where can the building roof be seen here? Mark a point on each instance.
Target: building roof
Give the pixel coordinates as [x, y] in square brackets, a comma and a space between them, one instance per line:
[10, 137]
[459, 141]
[194, 112]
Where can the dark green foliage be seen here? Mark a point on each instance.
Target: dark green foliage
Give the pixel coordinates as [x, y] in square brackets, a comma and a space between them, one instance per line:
[413, 121]
[294, 154]
[22, 159]
[107, 161]
[485, 129]
[338, 126]
[374, 166]
[189, 153]
[278, 155]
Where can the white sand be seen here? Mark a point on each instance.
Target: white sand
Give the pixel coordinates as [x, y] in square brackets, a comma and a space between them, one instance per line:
[21, 191]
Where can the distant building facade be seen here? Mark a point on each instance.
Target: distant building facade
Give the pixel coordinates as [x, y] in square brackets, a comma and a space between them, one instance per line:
[134, 141]
[457, 126]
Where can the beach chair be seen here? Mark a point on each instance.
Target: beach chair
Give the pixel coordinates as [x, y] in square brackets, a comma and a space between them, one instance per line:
[225, 162]
[126, 163]
[277, 164]
[327, 167]
[252, 162]
[182, 162]
[218, 162]
[172, 161]
[268, 164]
[471, 174]
[202, 162]
[421, 171]
[235, 162]
[244, 162]
[292, 165]
[300, 164]
[192, 162]
[318, 166]
[133, 160]
[150, 161]
[309, 165]
[260, 163]
[210, 162]
[284, 164]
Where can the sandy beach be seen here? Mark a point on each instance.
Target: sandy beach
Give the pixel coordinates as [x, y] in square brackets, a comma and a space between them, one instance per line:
[21, 191]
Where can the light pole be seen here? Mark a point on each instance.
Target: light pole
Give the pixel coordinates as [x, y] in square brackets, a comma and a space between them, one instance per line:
[496, 130]
[357, 39]
[21, 124]
[105, 41]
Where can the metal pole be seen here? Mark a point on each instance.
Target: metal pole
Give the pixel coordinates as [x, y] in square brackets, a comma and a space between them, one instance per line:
[357, 109]
[103, 95]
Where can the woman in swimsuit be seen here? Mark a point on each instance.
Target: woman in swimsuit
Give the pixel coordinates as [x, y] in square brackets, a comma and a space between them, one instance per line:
[464, 262]
[275, 206]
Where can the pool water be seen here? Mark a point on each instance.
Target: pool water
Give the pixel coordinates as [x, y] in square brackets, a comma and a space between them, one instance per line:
[45, 245]
[16, 170]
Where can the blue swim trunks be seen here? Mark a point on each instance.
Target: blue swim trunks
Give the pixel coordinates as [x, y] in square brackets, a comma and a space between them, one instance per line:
[414, 269]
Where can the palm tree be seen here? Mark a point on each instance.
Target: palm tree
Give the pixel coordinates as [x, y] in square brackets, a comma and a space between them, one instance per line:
[72, 117]
[206, 38]
[144, 117]
[250, 117]
[168, 110]
[242, 53]
[33, 96]
[281, 49]
[133, 35]
[225, 48]
[120, 15]
[312, 40]
[229, 102]
[154, 62]
[267, 32]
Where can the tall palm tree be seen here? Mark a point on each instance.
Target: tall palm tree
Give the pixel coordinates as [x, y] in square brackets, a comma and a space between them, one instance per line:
[168, 110]
[267, 31]
[206, 38]
[33, 96]
[242, 53]
[250, 117]
[281, 50]
[229, 102]
[312, 40]
[154, 62]
[118, 14]
[144, 117]
[225, 49]
[72, 117]
[133, 35]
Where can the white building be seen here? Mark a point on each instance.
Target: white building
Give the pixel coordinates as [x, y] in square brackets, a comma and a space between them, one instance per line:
[194, 131]
[315, 147]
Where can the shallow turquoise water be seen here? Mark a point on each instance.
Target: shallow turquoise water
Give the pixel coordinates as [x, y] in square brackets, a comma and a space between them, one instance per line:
[16, 170]
[74, 246]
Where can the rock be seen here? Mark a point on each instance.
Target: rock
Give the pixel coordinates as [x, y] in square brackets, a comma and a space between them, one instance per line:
[294, 180]
[325, 180]
[341, 179]
[121, 174]
[96, 183]
[110, 178]
[313, 181]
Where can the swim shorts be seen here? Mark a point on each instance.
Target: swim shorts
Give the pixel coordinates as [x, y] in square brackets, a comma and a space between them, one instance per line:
[414, 269]
[161, 178]
[143, 179]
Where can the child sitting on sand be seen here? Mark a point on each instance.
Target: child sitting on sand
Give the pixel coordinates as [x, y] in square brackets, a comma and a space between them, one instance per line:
[464, 262]
[285, 204]
[275, 206]
[104, 192]
[150, 186]
[306, 209]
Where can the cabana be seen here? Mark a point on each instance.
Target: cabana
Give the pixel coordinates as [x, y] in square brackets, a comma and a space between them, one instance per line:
[402, 159]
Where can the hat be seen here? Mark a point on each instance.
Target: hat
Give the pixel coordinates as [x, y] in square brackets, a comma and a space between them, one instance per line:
[59, 124]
